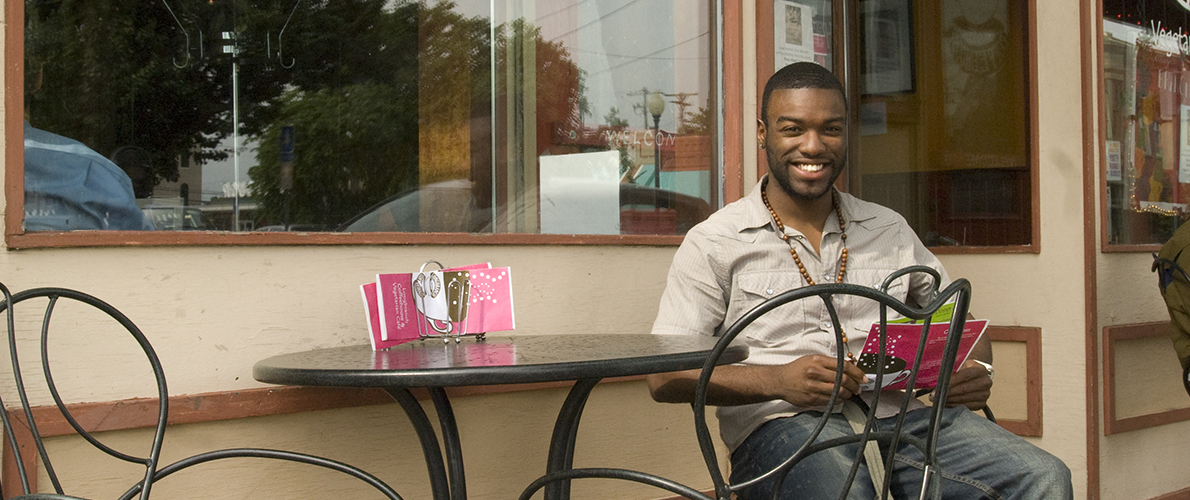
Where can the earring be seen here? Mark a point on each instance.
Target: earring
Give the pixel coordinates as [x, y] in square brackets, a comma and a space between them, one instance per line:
[761, 145]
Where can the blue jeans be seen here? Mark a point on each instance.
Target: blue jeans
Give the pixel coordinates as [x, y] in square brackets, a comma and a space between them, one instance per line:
[976, 459]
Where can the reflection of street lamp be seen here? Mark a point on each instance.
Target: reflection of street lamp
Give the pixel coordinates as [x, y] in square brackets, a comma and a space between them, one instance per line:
[656, 107]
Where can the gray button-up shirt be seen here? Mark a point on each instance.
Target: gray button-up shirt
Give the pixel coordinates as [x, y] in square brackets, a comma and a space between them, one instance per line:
[735, 260]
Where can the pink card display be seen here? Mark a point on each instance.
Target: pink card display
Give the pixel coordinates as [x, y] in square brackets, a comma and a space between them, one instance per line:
[372, 314]
[903, 340]
[467, 300]
[491, 301]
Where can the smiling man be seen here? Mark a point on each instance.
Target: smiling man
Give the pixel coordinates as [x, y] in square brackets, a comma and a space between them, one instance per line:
[795, 229]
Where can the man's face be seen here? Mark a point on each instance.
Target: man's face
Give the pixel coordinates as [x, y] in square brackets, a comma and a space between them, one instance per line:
[805, 139]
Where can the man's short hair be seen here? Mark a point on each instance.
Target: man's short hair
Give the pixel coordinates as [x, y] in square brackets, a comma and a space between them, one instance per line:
[802, 75]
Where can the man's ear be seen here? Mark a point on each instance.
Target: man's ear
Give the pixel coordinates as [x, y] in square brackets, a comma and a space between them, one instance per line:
[760, 133]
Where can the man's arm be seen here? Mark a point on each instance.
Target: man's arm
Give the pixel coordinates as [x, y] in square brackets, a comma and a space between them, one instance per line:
[806, 382]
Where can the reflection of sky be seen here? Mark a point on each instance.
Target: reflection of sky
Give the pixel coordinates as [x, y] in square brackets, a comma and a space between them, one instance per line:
[626, 46]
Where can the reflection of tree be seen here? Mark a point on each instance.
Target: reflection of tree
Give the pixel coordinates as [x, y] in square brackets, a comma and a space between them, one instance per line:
[560, 82]
[354, 146]
[106, 72]
[390, 128]
[700, 122]
[612, 118]
[109, 80]
[369, 80]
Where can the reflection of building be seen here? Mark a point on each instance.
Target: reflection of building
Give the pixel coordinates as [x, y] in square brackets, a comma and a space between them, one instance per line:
[188, 186]
[219, 213]
[683, 157]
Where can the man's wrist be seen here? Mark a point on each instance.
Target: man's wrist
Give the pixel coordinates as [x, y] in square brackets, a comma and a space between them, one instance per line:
[988, 367]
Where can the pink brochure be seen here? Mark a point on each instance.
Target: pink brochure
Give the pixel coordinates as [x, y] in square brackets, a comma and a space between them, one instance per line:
[416, 305]
[372, 313]
[903, 340]
[491, 301]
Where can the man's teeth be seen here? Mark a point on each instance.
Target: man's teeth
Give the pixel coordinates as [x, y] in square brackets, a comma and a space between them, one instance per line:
[810, 168]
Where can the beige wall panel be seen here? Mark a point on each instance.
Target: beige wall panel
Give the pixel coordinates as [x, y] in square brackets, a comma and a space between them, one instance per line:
[505, 439]
[1010, 394]
[211, 313]
[1147, 378]
[1128, 290]
[1146, 463]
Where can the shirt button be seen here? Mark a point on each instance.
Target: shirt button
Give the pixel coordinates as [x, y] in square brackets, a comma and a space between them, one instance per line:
[768, 292]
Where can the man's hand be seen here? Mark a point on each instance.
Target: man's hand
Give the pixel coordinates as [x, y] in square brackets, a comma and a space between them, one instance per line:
[808, 381]
[970, 386]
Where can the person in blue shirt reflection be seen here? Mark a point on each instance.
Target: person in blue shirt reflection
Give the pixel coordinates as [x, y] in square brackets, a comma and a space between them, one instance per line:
[68, 186]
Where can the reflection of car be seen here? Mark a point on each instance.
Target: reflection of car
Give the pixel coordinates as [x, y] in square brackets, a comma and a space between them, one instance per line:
[175, 218]
[291, 228]
[454, 210]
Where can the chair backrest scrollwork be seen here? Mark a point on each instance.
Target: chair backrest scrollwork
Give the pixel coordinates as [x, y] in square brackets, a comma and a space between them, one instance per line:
[21, 426]
[958, 294]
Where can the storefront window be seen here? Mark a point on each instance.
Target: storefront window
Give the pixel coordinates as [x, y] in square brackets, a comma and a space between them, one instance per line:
[802, 32]
[469, 116]
[1147, 102]
[944, 104]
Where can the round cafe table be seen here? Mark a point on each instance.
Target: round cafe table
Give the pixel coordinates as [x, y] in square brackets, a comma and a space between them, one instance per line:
[511, 359]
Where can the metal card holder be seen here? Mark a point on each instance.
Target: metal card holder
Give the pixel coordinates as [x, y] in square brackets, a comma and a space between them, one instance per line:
[443, 301]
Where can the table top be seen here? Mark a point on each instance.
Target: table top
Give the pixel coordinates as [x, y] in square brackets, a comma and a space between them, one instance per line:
[513, 359]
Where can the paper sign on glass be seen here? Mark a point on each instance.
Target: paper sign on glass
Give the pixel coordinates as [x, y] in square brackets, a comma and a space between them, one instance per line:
[903, 340]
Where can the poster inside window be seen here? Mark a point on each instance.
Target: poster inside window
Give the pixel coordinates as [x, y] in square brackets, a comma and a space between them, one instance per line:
[1147, 149]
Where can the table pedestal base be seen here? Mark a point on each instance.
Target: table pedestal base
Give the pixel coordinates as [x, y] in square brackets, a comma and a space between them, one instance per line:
[447, 479]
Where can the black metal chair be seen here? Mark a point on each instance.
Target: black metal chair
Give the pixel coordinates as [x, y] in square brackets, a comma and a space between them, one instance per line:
[958, 293]
[153, 472]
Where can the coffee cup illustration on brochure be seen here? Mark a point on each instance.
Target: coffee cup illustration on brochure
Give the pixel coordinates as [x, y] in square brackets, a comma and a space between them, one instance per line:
[442, 297]
[896, 370]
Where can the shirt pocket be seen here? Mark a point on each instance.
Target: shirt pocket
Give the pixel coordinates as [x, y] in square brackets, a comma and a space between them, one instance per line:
[788, 324]
[859, 313]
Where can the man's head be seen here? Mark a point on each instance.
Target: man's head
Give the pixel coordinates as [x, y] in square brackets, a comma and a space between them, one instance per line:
[803, 130]
[803, 75]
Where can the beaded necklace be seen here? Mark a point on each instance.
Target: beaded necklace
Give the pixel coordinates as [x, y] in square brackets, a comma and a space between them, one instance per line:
[793, 249]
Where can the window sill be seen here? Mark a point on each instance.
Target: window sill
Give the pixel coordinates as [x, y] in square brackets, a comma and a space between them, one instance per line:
[52, 239]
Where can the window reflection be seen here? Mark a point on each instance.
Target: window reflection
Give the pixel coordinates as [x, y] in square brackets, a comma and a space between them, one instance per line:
[386, 115]
[1147, 104]
[945, 135]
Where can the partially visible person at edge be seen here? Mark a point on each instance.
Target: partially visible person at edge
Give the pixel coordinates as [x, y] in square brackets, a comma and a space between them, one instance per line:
[752, 249]
[1172, 263]
[68, 186]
